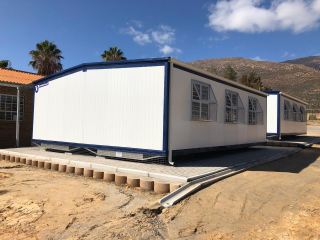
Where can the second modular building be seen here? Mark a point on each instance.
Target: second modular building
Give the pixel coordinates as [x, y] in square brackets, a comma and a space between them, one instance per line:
[286, 115]
[146, 109]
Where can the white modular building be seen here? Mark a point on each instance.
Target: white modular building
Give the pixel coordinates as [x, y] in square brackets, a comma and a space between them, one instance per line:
[286, 115]
[146, 110]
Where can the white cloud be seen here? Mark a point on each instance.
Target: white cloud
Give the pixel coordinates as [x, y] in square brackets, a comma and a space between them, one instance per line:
[288, 55]
[255, 16]
[138, 36]
[258, 58]
[166, 50]
[163, 37]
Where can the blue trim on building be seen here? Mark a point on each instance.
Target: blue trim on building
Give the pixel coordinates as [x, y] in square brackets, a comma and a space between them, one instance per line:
[166, 105]
[278, 93]
[103, 147]
[104, 65]
[279, 117]
[119, 64]
[272, 92]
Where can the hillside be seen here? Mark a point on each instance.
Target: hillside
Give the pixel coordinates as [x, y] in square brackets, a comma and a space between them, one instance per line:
[295, 79]
[312, 61]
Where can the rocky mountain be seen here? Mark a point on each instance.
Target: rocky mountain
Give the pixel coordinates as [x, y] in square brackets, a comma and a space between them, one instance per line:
[295, 79]
[312, 61]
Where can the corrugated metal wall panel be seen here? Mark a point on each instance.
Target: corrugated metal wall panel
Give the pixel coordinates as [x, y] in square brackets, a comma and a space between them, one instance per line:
[120, 107]
[291, 127]
[272, 113]
[185, 134]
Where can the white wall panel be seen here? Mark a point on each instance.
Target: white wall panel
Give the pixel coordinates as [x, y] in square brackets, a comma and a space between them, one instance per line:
[272, 113]
[185, 133]
[289, 127]
[121, 107]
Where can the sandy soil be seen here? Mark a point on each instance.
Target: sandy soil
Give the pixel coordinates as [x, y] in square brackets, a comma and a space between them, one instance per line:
[39, 204]
[280, 200]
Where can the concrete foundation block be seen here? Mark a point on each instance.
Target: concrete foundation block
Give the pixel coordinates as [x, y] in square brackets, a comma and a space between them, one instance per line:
[62, 168]
[88, 172]
[133, 181]
[79, 171]
[40, 164]
[7, 157]
[12, 158]
[108, 176]
[17, 159]
[120, 179]
[70, 169]
[23, 160]
[146, 184]
[161, 187]
[54, 166]
[97, 175]
[34, 163]
[29, 161]
[47, 165]
[174, 186]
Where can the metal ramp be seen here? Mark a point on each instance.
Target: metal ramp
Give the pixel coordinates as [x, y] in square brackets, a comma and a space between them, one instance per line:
[202, 182]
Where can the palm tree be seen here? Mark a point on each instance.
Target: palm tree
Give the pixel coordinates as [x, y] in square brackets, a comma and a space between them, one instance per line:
[46, 58]
[113, 54]
[5, 64]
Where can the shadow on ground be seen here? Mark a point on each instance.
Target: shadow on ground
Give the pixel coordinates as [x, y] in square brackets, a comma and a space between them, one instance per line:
[302, 138]
[291, 164]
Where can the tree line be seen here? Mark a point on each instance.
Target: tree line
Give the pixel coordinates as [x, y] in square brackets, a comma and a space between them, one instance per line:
[251, 79]
[46, 60]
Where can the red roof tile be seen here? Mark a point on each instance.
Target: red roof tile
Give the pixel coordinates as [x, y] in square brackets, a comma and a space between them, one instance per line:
[17, 77]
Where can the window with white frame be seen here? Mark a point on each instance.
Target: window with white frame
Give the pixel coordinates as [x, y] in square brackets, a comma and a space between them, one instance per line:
[8, 107]
[302, 115]
[234, 110]
[287, 110]
[204, 103]
[295, 112]
[255, 113]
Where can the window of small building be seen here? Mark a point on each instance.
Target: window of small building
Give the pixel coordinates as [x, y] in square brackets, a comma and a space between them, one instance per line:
[255, 113]
[287, 110]
[8, 107]
[302, 114]
[295, 112]
[204, 103]
[234, 110]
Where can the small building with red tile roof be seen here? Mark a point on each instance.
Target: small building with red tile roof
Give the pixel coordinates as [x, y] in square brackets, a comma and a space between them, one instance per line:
[16, 86]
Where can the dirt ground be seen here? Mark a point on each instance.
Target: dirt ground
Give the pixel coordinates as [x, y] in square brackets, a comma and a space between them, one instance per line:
[279, 200]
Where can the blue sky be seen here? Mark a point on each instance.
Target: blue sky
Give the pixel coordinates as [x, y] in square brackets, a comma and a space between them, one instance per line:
[187, 30]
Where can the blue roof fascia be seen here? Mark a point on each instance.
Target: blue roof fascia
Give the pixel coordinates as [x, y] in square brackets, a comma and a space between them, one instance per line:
[272, 92]
[85, 66]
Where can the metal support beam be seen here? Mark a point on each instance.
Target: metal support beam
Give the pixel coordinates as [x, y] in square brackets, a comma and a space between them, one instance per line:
[18, 119]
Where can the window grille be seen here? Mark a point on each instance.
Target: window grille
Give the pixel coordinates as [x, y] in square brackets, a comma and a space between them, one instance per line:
[234, 110]
[302, 115]
[204, 103]
[295, 113]
[255, 113]
[287, 110]
[8, 107]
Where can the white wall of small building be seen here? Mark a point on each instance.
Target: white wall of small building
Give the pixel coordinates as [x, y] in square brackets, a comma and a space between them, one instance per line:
[272, 113]
[185, 133]
[289, 127]
[120, 107]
